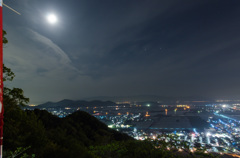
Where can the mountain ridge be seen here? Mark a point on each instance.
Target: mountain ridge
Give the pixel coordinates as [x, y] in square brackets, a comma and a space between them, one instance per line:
[77, 103]
[111, 100]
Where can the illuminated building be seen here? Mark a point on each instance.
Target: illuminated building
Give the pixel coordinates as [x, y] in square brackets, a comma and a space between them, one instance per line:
[147, 115]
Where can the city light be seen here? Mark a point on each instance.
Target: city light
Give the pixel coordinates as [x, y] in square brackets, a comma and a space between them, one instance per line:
[208, 134]
[172, 127]
[110, 126]
[147, 115]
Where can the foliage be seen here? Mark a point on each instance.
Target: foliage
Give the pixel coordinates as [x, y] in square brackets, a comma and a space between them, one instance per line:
[8, 74]
[13, 97]
[116, 149]
[20, 152]
[5, 41]
[131, 149]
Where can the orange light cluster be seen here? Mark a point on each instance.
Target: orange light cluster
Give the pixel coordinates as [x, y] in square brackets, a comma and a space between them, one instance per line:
[183, 106]
[147, 115]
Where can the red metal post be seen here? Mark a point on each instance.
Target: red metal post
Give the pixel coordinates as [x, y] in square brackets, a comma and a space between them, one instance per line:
[1, 81]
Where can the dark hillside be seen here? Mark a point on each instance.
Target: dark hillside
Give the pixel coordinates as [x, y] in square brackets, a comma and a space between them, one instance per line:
[77, 135]
[51, 136]
[80, 126]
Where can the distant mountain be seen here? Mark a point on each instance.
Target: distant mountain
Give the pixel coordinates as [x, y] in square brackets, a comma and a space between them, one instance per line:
[72, 103]
[146, 98]
[110, 101]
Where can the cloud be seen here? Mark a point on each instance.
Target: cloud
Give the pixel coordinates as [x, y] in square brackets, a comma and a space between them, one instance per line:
[28, 47]
[39, 64]
[50, 44]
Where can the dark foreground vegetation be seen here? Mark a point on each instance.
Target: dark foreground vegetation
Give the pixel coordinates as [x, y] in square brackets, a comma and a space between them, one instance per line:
[77, 135]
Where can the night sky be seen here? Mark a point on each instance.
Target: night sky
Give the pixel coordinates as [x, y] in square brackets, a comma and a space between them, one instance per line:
[124, 47]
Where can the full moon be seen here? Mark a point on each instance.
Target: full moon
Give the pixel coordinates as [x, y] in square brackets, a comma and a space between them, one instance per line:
[52, 19]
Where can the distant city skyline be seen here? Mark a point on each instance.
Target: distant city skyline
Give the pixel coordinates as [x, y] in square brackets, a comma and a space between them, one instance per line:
[123, 48]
